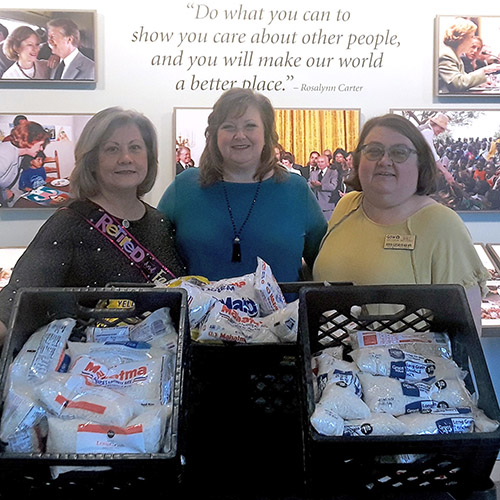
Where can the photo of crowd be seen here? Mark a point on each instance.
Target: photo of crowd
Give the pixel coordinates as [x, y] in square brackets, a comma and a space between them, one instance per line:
[466, 146]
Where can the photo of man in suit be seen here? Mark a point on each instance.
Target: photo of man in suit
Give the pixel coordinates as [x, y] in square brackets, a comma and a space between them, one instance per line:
[324, 184]
[64, 40]
[184, 160]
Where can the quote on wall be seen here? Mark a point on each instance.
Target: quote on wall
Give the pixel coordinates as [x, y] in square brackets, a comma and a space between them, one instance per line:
[275, 50]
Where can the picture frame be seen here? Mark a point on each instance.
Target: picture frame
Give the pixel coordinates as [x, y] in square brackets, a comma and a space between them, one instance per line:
[490, 305]
[487, 261]
[494, 251]
[41, 183]
[459, 65]
[8, 258]
[30, 29]
[300, 130]
[468, 150]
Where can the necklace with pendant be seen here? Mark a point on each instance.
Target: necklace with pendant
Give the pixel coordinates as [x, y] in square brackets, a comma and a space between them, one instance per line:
[236, 257]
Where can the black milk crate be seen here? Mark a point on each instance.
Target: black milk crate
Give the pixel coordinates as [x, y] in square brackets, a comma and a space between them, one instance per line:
[116, 474]
[385, 465]
[243, 428]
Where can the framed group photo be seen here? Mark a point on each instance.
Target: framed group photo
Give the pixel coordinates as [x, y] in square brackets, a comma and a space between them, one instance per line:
[300, 131]
[466, 145]
[41, 180]
[47, 48]
[467, 56]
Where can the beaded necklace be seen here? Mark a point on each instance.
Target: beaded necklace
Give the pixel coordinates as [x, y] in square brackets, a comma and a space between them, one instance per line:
[236, 257]
[26, 74]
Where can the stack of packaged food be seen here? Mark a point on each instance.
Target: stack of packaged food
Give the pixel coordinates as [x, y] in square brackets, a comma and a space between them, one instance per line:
[393, 384]
[245, 309]
[99, 387]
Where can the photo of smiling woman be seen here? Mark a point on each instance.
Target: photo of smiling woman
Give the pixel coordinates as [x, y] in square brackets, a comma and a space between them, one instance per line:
[116, 162]
[390, 231]
[23, 47]
[240, 203]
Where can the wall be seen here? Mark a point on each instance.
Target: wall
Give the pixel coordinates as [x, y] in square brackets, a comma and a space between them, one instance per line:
[304, 43]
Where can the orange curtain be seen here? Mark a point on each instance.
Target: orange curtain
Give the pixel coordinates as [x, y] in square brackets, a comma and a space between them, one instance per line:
[301, 131]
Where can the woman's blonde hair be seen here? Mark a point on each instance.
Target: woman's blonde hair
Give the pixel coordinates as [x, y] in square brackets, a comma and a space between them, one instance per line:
[235, 102]
[455, 34]
[84, 182]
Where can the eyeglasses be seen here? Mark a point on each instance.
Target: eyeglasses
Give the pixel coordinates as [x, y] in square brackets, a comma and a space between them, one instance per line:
[398, 153]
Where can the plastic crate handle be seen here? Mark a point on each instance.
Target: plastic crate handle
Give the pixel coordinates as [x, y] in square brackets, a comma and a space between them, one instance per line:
[102, 312]
[366, 312]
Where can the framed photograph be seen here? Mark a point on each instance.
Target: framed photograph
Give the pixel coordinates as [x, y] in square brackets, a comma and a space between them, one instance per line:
[300, 131]
[466, 146]
[490, 305]
[47, 48]
[8, 259]
[487, 261]
[39, 179]
[467, 56]
[494, 251]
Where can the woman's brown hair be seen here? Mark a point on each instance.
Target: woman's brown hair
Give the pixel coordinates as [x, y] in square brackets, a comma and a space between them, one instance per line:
[235, 102]
[427, 170]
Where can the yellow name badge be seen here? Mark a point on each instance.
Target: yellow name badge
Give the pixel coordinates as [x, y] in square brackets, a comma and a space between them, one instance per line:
[399, 242]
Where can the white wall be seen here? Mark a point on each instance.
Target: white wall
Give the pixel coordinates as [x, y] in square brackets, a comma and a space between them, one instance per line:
[400, 75]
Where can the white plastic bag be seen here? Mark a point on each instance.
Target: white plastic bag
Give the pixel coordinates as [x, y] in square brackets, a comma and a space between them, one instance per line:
[440, 421]
[68, 396]
[327, 422]
[140, 381]
[225, 324]
[377, 424]
[143, 434]
[284, 322]
[427, 344]
[269, 294]
[393, 362]
[390, 395]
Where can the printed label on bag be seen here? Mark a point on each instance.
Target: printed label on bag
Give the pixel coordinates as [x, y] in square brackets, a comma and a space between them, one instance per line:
[93, 438]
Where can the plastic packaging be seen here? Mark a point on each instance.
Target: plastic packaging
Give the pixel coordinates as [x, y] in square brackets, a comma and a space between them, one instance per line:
[284, 322]
[223, 323]
[112, 354]
[377, 424]
[342, 401]
[393, 362]
[269, 294]
[43, 352]
[390, 395]
[68, 396]
[157, 330]
[21, 426]
[440, 421]
[142, 435]
[428, 344]
[140, 380]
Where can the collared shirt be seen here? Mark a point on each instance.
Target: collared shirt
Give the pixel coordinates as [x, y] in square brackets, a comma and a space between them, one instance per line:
[68, 60]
